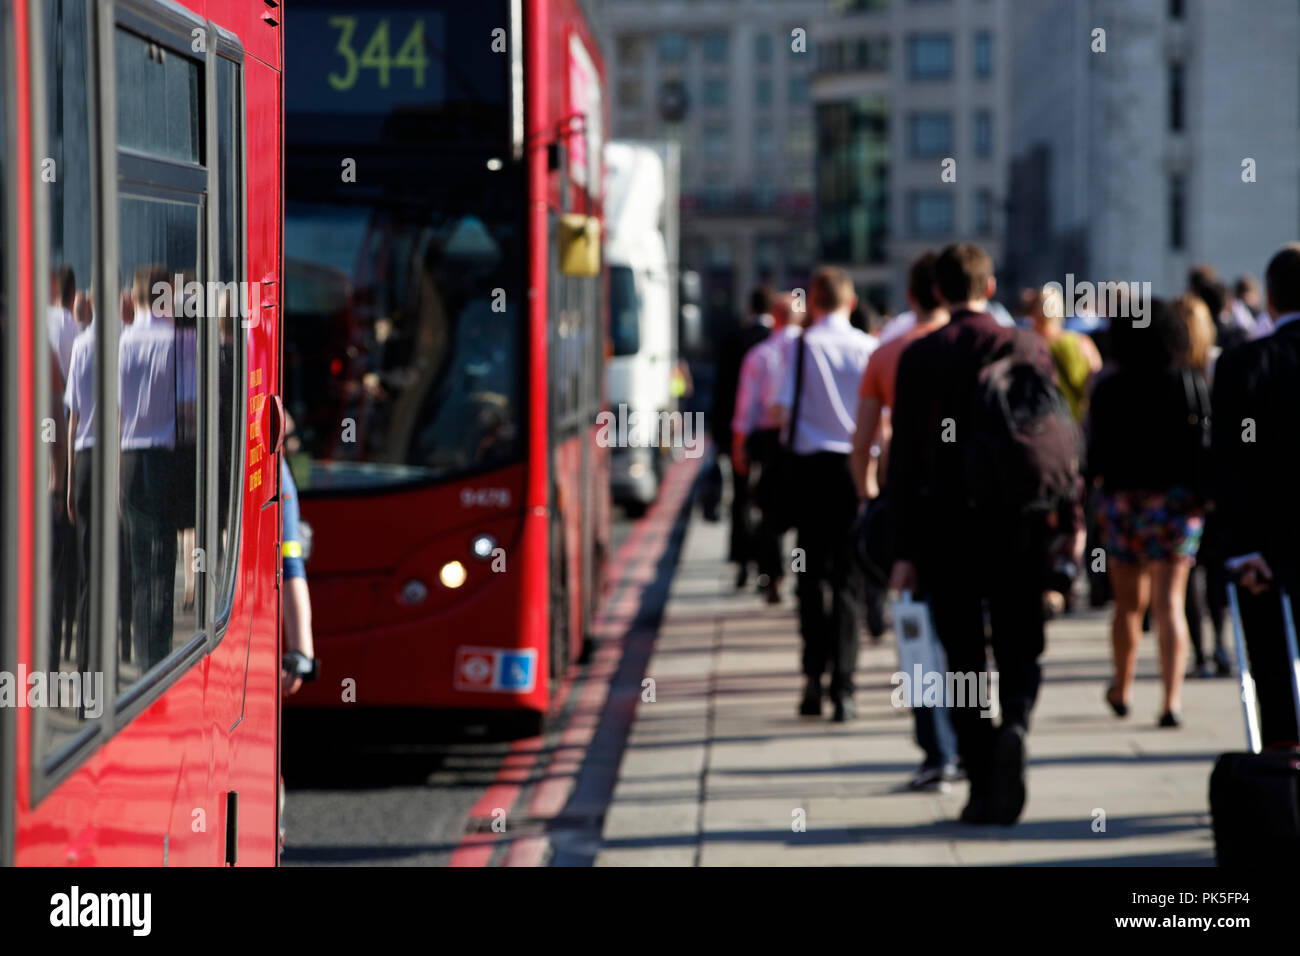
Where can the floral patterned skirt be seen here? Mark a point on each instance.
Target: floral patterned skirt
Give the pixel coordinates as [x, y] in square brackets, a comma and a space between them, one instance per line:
[1136, 526]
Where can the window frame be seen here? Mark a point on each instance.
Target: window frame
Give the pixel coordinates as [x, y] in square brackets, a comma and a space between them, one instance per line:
[171, 27]
[8, 440]
[920, 36]
[915, 121]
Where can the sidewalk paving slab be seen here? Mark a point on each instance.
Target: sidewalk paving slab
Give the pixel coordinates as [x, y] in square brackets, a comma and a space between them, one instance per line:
[718, 770]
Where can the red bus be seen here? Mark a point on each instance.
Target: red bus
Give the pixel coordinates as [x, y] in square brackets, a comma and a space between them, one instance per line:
[444, 347]
[139, 624]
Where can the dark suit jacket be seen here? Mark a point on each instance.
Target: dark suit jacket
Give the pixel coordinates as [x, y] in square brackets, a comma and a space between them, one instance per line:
[928, 503]
[1257, 483]
[730, 354]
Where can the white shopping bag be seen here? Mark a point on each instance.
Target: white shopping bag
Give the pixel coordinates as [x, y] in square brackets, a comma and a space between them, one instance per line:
[919, 650]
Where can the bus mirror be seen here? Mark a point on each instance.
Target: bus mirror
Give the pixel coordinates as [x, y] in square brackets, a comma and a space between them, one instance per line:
[579, 242]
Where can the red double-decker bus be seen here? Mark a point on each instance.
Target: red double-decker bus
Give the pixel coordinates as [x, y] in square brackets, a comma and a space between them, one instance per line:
[139, 624]
[444, 346]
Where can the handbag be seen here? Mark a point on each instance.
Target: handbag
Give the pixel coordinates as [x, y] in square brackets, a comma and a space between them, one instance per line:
[919, 652]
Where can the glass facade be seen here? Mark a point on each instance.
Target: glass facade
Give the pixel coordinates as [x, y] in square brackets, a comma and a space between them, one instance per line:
[853, 179]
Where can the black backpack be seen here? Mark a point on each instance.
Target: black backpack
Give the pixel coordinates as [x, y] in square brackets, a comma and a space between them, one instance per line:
[1024, 446]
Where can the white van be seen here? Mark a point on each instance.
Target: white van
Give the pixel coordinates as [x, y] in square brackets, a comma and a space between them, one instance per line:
[642, 323]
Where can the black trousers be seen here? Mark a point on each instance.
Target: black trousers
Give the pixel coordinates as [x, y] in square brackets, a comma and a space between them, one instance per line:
[63, 580]
[150, 530]
[1008, 576]
[826, 503]
[763, 446]
[83, 470]
[1261, 619]
[742, 529]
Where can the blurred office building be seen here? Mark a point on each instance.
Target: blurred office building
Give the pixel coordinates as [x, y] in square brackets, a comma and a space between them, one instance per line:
[1132, 149]
[730, 81]
[904, 91]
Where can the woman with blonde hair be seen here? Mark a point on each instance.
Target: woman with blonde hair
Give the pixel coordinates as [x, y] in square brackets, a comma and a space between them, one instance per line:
[1206, 586]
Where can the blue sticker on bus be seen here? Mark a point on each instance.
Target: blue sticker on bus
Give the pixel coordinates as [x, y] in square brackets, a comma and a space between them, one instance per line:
[516, 669]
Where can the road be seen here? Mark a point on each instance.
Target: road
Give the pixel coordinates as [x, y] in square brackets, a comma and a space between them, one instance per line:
[361, 802]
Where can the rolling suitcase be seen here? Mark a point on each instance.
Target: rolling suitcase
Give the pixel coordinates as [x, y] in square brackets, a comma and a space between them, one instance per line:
[1255, 796]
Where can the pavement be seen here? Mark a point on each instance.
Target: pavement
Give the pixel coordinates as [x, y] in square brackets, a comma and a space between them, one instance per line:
[718, 770]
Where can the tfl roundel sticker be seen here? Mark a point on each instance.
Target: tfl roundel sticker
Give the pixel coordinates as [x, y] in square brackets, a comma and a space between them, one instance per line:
[496, 669]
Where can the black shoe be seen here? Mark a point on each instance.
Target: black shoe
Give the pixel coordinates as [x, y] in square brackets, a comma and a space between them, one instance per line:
[811, 705]
[1171, 718]
[978, 811]
[845, 709]
[1120, 708]
[742, 577]
[772, 592]
[1009, 774]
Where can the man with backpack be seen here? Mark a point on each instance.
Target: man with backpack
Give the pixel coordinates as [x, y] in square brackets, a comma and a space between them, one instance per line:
[983, 480]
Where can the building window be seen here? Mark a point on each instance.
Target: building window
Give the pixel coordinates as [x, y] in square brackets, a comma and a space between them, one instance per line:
[764, 141]
[930, 213]
[929, 134]
[858, 6]
[672, 48]
[983, 133]
[716, 47]
[799, 92]
[929, 56]
[629, 92]
[872, 56]
[1175, 9]
[799, 140]
[630, 50]
[983, 54]
[830, 56]
[763, 47]
[1176, 97]
[715, 91]
[715, 141]
[983, 224]
[763, 91]
[1177, 212]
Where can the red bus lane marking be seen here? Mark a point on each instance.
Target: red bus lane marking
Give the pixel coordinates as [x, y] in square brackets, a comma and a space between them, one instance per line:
[632, 568]
[553, 792]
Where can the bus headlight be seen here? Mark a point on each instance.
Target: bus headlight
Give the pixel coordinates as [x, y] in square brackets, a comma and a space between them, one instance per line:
[483, 545]
[452, 574]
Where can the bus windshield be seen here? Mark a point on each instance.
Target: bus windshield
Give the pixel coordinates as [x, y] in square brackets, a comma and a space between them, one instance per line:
[404, 249]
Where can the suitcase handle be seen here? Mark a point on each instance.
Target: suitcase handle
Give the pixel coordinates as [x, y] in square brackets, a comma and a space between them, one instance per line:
[1249, 699]
[1245, 681]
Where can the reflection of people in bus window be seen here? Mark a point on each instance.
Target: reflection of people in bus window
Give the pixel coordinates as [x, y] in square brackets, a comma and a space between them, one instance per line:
[147, 390]
[62, 328]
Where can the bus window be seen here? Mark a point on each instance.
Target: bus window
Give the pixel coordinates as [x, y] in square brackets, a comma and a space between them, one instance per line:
[160, 263]
[405, 294]
[68, 405]
[232, 331]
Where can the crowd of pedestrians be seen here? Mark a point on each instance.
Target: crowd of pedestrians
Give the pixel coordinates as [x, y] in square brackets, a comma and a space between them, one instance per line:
[1003, 457]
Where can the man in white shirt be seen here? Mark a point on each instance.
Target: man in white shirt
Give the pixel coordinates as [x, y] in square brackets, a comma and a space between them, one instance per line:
[61, 329]
[79, 400]
[755, 439]
[147, 397]
[61, 325]
[817, 401]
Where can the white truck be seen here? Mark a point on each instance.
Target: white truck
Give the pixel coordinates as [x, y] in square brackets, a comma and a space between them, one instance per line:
[641, 251]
